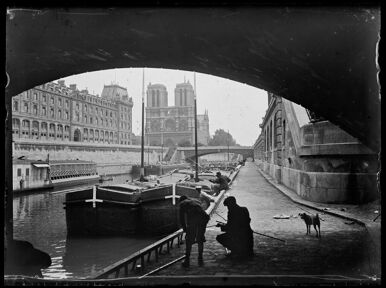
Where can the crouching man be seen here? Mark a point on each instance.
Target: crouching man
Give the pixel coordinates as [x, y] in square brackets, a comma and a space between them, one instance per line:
[238, 236]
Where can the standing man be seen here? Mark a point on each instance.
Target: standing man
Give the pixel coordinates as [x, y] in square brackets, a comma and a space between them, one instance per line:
[221, 183]
[238, 236]
[193, 220]
[21, 183]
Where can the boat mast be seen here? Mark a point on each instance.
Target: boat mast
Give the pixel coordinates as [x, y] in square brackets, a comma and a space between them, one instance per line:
[195, 126]
[142, 173]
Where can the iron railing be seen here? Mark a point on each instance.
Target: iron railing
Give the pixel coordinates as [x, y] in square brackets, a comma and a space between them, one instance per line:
[128, 265]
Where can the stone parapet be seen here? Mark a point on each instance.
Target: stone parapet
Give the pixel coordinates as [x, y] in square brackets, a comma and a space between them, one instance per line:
[324, 187]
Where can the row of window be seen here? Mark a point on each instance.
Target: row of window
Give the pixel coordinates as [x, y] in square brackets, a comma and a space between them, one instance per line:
[270, 134]
[171, 112]
[65, 116]
[53, 134]
[37, 174]
[99, 111]
[43, 97]
[43, 110]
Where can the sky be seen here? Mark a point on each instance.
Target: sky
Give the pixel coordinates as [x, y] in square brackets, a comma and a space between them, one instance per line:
[232, 106]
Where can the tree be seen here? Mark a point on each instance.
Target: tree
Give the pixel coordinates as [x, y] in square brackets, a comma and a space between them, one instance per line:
[222, 138]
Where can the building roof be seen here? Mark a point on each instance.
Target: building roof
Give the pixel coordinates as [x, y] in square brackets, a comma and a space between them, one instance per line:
[27, 161]
[114, 90]
[71, 161]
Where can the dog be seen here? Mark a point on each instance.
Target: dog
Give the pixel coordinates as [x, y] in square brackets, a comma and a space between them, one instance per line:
[311, 220]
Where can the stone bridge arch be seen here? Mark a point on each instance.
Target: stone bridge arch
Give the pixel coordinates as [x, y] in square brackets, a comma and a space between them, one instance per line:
[189, 153]
[322, 58]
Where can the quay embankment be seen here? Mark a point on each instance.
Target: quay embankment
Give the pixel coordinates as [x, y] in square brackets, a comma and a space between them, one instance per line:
[344, 254]
[136, 262]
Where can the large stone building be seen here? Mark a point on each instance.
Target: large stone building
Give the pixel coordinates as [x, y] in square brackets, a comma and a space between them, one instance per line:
[313, 157]
[55, 112]
[173, 125]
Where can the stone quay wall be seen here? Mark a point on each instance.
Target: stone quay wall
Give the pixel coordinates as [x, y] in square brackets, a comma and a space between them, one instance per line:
[110, 159]
[325, 187]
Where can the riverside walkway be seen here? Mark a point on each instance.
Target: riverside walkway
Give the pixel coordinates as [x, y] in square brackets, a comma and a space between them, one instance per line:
[348, 251]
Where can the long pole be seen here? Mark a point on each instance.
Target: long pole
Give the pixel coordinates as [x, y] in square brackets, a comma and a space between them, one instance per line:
[163, 267]
[142, 173]
[8, 191]
[268, 236]
[162, 151]
[228, 145]
[195, 126]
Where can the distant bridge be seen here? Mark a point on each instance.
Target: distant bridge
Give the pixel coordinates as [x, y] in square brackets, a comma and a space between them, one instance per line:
[188, 153]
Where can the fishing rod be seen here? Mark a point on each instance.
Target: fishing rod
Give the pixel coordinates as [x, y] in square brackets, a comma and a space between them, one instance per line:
[221, 223]
[162, 267]
[220, 216]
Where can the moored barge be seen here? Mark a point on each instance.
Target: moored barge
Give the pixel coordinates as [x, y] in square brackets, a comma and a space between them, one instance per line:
[125, 209]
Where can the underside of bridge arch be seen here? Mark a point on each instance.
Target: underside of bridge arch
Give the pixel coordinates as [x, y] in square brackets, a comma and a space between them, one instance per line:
[322, 58]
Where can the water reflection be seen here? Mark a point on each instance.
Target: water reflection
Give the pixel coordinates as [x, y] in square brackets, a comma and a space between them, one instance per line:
[40, 219]
[86, 256]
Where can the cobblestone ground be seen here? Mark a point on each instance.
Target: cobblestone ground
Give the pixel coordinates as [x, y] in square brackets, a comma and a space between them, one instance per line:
[344, 248]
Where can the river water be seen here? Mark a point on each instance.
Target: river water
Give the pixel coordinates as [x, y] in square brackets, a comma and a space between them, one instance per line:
[39, 218]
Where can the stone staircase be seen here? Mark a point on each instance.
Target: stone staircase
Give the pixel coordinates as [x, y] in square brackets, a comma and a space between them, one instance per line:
[168, 156]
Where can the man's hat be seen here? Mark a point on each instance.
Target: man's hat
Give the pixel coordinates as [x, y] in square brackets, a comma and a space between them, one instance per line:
[229, 201]
[218, 173]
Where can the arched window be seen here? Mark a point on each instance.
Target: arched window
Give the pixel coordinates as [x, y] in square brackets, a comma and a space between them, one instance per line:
[35, 129]
[15, 106]
[26, 107]
[77, 135]
[52, 131]
[43, 131]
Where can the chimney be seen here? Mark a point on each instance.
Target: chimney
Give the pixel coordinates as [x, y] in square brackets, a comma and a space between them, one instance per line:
[73, 87]
[61, 82]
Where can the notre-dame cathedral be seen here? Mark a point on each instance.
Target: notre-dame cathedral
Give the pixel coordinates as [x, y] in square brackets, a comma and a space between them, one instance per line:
[173, 125]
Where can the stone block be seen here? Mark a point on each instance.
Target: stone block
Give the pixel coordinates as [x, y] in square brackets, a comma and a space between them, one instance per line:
[328, 180]
[336, 196]
[317, 194]
[304, 191]
[305, 179]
